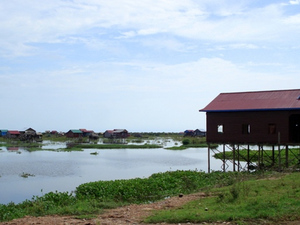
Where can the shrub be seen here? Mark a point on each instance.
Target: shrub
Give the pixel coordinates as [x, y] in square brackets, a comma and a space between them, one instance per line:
[186, 141]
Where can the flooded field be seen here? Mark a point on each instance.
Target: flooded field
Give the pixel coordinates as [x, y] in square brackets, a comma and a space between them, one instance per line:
[25, 174]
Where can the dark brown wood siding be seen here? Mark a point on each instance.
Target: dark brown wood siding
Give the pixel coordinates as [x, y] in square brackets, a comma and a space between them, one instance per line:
[265, 127]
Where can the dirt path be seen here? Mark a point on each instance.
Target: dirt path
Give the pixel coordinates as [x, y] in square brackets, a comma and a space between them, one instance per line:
[131, 214]
[127, 215]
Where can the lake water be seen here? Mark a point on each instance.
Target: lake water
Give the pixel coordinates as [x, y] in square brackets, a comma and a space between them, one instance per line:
[64, 171]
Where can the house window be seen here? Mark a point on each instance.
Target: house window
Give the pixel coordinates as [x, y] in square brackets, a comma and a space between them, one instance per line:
[220, 129]
[246, 129]
[272, 128]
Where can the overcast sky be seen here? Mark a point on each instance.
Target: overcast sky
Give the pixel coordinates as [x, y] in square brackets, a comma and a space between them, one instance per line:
[146, 65]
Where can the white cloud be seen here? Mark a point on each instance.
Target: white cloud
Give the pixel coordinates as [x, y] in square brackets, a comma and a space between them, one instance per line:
[294, 2]
[158, 58]
[293, 20]
[25, 22]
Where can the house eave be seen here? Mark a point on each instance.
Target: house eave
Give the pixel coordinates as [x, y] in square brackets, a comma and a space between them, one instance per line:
[249, 110]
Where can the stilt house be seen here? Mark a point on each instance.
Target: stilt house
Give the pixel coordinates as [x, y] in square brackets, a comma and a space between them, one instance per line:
[74, 134]
[262, 117]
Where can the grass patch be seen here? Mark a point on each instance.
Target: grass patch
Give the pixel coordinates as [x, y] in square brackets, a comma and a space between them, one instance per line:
[245, 201]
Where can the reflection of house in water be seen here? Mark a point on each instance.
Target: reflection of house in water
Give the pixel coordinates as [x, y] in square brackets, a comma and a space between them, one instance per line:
[12, 148]
[255, 118]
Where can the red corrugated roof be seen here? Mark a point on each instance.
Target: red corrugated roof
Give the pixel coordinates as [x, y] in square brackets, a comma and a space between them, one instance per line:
[109, 131]
[13, 132]
[260, 100]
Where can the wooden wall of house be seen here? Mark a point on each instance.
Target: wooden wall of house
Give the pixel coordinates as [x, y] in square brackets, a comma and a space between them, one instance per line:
[262, 124]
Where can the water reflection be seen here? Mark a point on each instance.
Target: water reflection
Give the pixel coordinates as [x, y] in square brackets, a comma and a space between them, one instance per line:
[64, 171]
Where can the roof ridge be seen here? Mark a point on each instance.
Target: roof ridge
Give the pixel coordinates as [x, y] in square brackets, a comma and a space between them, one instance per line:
[244, 92]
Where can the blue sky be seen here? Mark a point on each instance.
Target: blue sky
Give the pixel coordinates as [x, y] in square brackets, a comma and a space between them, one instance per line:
[145, 65]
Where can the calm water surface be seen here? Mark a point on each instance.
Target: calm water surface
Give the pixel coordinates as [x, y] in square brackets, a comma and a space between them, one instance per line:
[64, 171]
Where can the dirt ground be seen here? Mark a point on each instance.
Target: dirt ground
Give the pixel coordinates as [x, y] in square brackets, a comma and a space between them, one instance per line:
[127, 215]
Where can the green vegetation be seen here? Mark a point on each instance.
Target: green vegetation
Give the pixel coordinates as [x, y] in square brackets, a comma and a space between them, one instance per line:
[94, 153]
[57, 138]
[192, 142]
[91, 198]
[26, 175]
[242, 198]
[294, 156]
[78, 144]
[157, 186]
[110, 146]
[14, 143]
[263, 201]
[57, 203]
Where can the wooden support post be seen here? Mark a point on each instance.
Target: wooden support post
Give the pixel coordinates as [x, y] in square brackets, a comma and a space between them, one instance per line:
[287, 156]
[248, 157]
[224, 158]
[279, 156]
[258, 157]
[208, 158]
[238, 153]
[262, 156]
[273, 155]
[233, 152]
[279, 159]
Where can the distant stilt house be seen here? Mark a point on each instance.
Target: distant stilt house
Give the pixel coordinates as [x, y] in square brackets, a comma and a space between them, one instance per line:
[199, 133]
[74, 134]
[39, 136]
[86, 133]
[108, 134]
[3, 133]
[194, 133]
[13, 134]
[93, 136]
[54, 132]
[30, 132]
[30, 135]
[120, 133]
[255, 118]
[188, 133]
[116, 133]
